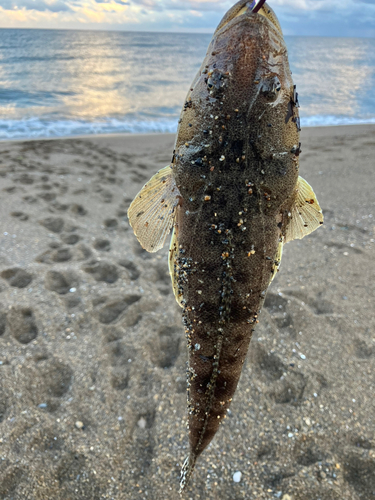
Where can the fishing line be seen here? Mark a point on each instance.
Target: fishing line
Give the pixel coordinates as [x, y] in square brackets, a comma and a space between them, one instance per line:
[255, 7]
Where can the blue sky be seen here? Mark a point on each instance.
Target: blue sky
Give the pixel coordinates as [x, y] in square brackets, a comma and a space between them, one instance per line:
[297, 17]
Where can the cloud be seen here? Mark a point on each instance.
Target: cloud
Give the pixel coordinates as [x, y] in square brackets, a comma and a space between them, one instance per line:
[150, 5]
[38, 5]
[217, 6]
[297, 17]
[121, 2]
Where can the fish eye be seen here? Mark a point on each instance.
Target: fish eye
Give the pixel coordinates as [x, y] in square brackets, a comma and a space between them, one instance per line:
[271, 87]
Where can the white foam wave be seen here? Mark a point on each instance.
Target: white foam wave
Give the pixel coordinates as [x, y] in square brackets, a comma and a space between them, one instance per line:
[331, 120]
[32, 128]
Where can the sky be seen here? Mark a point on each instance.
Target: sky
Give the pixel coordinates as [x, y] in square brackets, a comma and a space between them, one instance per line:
[355, 18]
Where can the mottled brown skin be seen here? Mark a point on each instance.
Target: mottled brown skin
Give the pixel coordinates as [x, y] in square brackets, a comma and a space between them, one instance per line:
[236, 166]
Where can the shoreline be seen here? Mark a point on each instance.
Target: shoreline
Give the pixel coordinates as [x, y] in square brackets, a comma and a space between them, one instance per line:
[332, 130]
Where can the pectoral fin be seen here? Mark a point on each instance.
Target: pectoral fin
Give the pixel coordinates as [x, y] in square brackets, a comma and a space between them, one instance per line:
[305, 214]
[172, 261]
[152, 212]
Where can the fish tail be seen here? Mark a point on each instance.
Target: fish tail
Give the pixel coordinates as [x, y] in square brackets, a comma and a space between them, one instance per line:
[186, 471]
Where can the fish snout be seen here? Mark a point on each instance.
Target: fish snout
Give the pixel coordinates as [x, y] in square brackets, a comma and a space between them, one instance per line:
[256, 9]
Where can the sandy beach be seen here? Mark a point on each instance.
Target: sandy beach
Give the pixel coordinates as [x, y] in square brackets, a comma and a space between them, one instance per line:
[92, 349]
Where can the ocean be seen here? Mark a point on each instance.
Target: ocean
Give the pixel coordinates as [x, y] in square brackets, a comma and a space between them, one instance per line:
[57, 83]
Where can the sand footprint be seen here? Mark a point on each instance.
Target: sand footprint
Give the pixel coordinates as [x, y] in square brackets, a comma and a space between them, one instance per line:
[166, 347]
[109, 310]
[317, 304]
[132, 269]
[21, 322]
[17, 277]
[359, 472]
[290, 389]
[77, 209]
[364, 347]
[277, 306]
[64, 254]
[266, 362]
[47, 195]
[110, 223]
[55, 378]
[102, 245]
[30, 199]
[58, 282]
[20, 216]
[120, 378]
[11, 479]
[61, 255]
[102, 271]
[307, 452]
[53, 224]
[75, 479]
[106, 195]
[82, 252]
[25, 179]
[70, 239]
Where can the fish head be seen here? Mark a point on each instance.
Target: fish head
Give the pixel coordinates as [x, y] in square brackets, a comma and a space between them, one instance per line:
[242, 104]
[254, 42]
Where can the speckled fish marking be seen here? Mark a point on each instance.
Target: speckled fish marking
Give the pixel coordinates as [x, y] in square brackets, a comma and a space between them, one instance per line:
[233, 197]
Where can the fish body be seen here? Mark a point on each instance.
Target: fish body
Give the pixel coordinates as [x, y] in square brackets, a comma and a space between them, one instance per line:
[233, 197]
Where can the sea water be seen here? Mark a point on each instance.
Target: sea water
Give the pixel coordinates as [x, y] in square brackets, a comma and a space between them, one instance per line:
[61, 83]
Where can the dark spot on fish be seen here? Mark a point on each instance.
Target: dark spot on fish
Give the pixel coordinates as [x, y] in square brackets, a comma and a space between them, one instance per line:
[237, 147]
[296, 150]
[297, 121]
[206, 358]
[289, 113]
[295, 97]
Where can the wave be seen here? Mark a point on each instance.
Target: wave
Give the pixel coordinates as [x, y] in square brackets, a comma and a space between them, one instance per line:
[331, 120]
[33, 128]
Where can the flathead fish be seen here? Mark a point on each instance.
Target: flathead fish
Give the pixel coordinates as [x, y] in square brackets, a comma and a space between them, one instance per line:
[233, 197]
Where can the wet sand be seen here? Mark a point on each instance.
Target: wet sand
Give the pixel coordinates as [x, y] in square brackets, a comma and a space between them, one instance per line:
[92, 350]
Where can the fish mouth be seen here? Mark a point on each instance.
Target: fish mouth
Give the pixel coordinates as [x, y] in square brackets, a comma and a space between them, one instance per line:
[245, 9]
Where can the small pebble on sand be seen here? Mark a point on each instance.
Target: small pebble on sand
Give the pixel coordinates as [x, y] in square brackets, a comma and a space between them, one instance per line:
[142, 423]
[237, 476]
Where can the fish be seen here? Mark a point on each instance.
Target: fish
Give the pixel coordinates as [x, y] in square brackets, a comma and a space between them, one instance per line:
[232, 197]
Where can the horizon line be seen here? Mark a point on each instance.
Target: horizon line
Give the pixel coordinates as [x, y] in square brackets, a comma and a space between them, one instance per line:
[180, 32]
